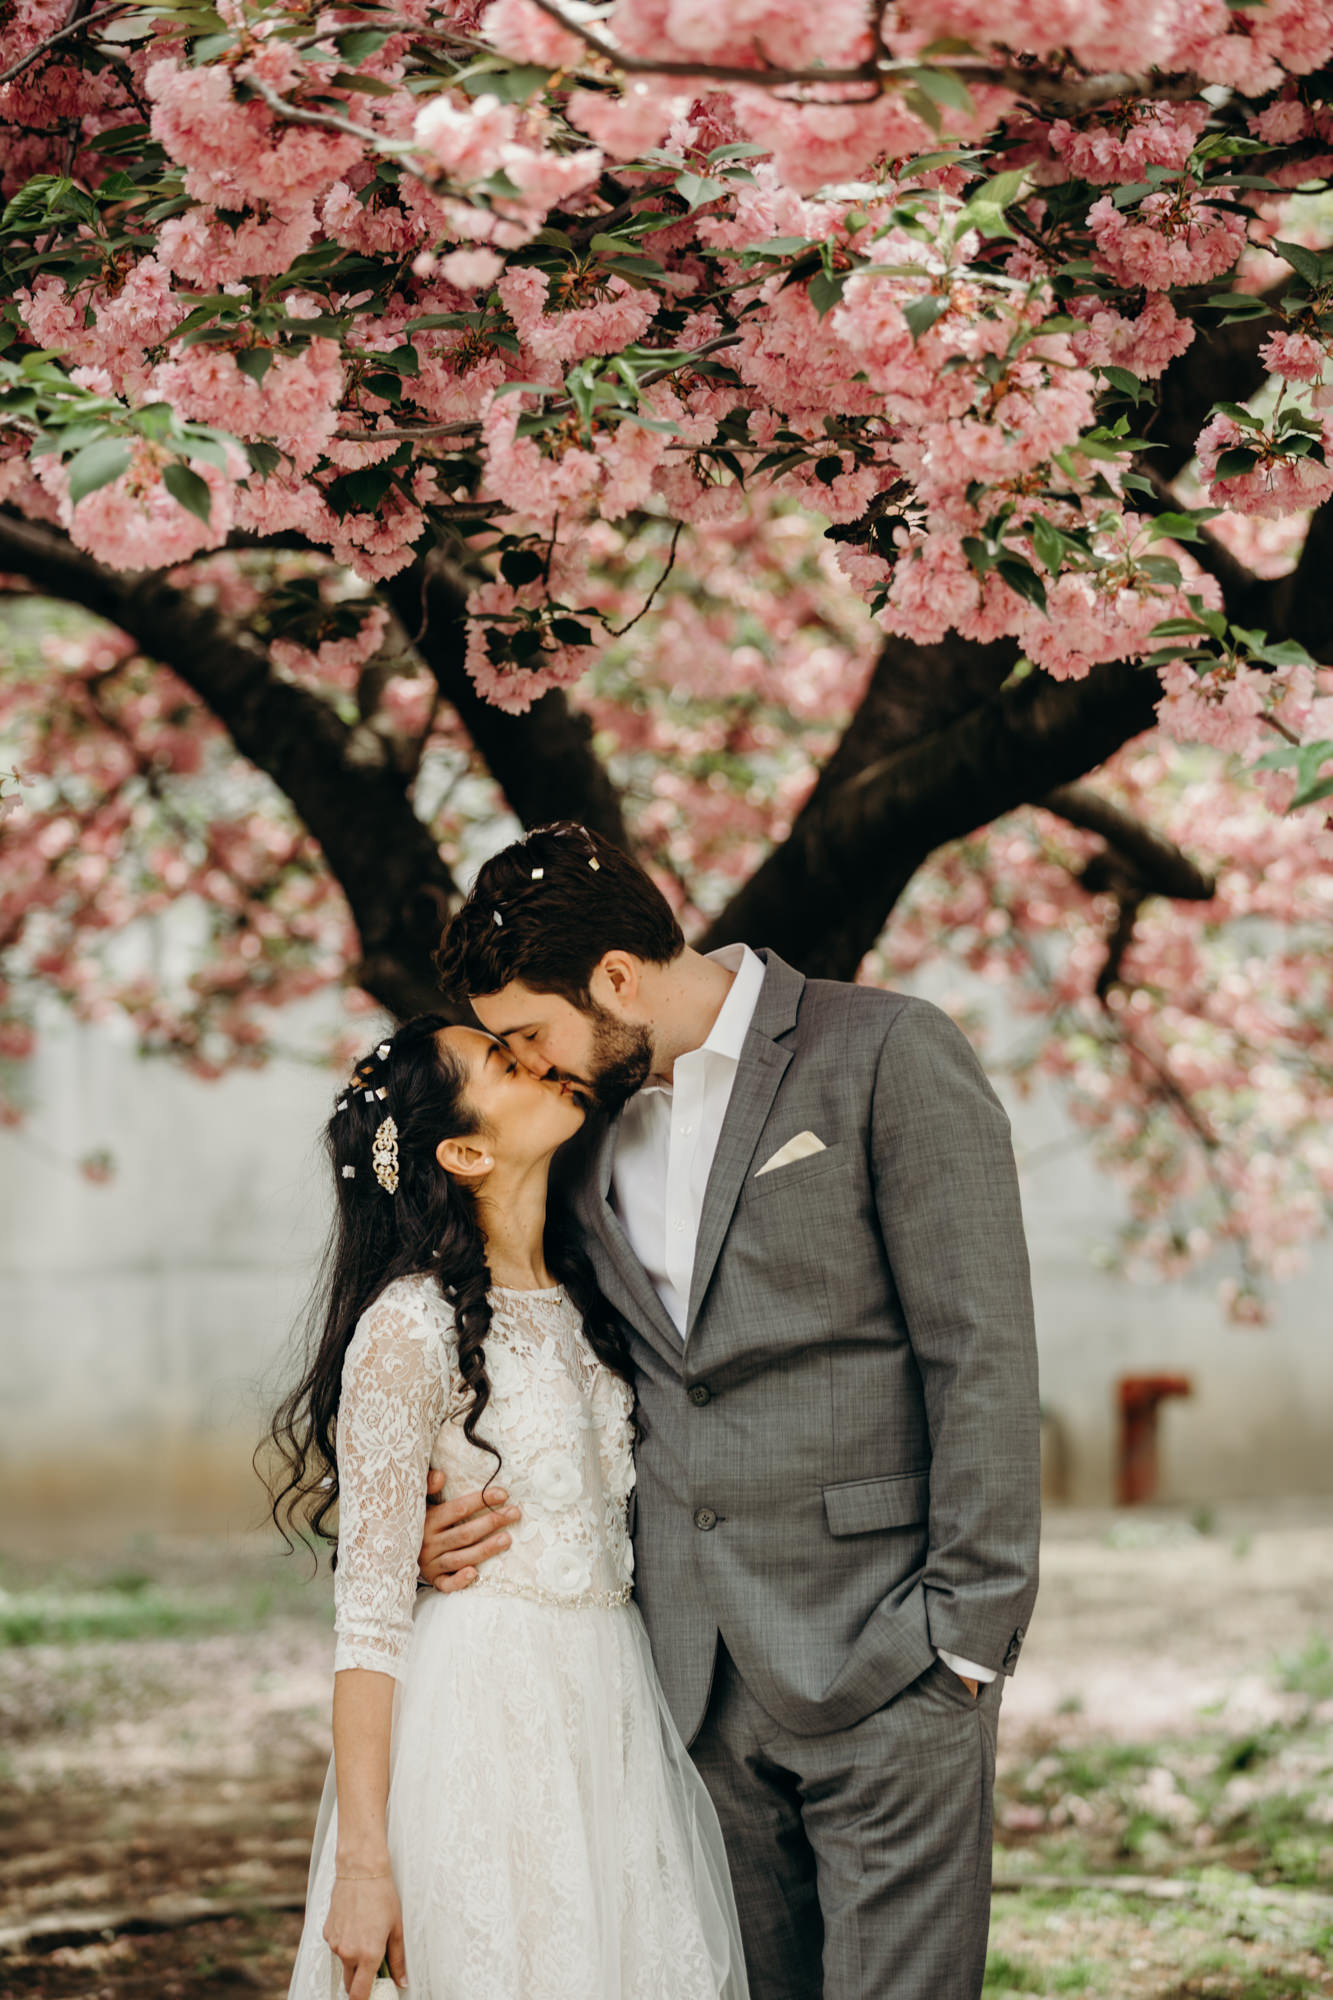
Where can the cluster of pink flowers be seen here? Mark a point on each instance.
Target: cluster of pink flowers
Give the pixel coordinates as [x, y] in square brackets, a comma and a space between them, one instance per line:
[1277, 483]
[557, 332]
[1296, 357]
[1156, 135]
[1169, 240]
[1146, 343]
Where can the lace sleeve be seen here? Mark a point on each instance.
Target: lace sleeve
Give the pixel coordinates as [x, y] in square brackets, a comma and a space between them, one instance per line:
[394, 1392]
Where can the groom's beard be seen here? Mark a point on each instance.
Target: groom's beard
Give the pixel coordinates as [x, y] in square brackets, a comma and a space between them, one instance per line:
[622, 1062]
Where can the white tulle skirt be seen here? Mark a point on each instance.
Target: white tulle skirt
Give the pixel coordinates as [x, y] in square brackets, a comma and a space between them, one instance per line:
[550, 1838]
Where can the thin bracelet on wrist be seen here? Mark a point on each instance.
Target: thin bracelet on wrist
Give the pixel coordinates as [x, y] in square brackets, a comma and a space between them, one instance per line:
[381, 1875]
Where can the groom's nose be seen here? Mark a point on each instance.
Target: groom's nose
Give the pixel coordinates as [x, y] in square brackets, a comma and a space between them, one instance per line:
[534, 1064]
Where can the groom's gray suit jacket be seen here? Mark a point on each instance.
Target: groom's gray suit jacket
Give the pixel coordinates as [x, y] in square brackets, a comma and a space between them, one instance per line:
[840, 1463]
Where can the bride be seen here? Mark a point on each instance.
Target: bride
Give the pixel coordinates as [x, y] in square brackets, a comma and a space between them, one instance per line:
[510, 1813]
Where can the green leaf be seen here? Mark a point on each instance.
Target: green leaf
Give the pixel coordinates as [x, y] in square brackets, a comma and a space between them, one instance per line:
[358, 43]
[697, 189]
[944, 86]
[1239, 415]
[264, 458]
[520, 566]
[1121, 379]
[511, 83]
[255, 362]
[1021, 577]
[1048, 542]
[743, 149]
[1235, 463]
[188, 488]
[978, 556]
[1310, 795]
[205, 47]
[1179, 527]
[97, 465]
[570, 632]
[369, 86]
[1304, 262]
[921, 314]
[825, 290]
[984, 209]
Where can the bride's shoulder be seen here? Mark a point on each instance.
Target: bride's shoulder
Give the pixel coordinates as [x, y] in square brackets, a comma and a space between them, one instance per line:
[409, 1309]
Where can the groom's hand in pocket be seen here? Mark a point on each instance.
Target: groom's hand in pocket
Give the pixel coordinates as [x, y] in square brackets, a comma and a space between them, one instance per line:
[462, 1533]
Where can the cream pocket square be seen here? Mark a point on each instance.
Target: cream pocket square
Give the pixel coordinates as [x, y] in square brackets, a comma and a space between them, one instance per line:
[799, 1148]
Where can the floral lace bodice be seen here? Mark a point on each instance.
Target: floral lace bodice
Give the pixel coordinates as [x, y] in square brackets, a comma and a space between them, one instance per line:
[560, 1418]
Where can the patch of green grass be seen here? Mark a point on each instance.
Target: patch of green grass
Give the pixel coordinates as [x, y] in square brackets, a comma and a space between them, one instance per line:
[125, 1609]
[1309, 1672]
[1012, 1975]
[1078, 1976]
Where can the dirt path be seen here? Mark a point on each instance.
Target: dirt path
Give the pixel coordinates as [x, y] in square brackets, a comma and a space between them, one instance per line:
[1164, 1810]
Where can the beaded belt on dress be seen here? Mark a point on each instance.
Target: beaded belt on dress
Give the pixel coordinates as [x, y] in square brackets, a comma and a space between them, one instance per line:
[583, 1600]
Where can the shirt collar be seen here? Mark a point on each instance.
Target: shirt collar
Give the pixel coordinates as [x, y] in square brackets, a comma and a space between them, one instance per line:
[726, 1037]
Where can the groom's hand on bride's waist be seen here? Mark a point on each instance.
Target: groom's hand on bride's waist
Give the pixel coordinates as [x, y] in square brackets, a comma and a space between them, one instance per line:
[462, 1533]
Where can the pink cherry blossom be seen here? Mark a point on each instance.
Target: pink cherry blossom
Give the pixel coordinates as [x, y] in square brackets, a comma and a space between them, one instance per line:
[1146, 343]
[569, 326]
[1277, 483]
[1294, 356]
[1170, 241]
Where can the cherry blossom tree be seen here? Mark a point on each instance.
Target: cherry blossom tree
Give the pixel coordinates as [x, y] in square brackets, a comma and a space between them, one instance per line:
[873, 459]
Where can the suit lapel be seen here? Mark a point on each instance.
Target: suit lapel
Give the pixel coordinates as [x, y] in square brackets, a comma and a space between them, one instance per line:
[639, 1301]
[762, 1066]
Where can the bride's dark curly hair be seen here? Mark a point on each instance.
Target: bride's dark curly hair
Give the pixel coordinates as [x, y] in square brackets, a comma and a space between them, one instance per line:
[429, 1224]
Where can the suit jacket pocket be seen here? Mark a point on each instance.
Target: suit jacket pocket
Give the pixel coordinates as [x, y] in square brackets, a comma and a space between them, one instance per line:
[860, 1505]
[813, 1167]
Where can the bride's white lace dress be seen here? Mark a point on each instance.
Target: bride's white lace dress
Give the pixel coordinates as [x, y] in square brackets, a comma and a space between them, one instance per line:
[550, 1838]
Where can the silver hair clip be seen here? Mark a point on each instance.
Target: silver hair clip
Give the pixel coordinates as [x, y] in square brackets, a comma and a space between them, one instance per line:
[381, 1092]
[349, 1173]
[384, 1156]
[538, 875]
[496, 918]
[342, 1104]
[594, 863]
[370, 1097]
[383, 1052]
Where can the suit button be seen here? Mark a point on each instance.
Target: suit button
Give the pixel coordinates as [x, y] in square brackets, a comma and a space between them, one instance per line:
[701, 1394]
[704, 1517]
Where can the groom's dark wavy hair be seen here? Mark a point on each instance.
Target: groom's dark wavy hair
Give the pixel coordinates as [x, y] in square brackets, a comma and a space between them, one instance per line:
[546, 909]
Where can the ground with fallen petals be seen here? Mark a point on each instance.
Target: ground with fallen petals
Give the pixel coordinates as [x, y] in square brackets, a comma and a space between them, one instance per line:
[1164, 1813]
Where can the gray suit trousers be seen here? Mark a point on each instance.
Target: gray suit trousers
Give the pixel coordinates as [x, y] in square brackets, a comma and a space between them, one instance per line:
[861, 1860]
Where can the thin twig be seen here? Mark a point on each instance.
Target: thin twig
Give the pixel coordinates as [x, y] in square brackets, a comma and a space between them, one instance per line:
[619, 631]
[1087, 91]
[71, 28]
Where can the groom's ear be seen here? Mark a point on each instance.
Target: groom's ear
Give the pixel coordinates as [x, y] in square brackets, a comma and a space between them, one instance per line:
[616, 980]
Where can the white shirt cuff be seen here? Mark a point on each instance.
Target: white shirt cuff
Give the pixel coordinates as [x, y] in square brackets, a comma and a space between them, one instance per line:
[968, 1667]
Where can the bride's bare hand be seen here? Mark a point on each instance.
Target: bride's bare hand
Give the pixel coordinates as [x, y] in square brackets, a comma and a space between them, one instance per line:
[365, 1926]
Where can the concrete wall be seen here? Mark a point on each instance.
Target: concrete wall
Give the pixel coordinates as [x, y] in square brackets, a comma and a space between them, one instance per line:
[145, 1326]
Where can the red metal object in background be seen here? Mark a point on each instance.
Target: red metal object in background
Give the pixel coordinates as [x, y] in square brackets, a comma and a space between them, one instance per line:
[1140, 1397]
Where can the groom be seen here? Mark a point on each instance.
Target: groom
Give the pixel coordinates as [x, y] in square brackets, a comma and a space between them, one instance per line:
[801, 1197]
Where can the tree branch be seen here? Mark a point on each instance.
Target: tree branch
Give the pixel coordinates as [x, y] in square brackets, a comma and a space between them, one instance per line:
[1304, 600]
[544, 761]
[1158, 866]
[396, 883]
[1050, 91]
[856, 845]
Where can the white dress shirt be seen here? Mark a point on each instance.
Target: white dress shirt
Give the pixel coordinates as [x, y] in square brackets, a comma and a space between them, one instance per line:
[664, 1147]
[667, 1137]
